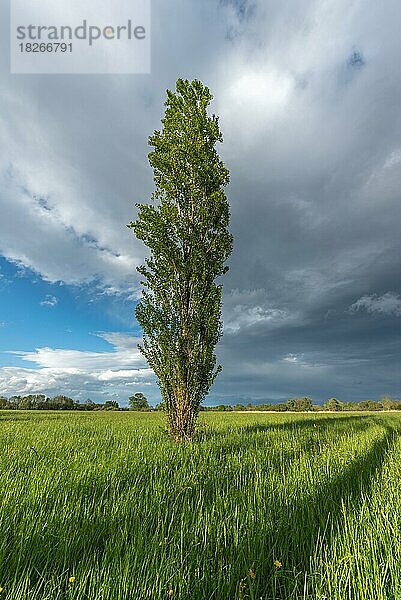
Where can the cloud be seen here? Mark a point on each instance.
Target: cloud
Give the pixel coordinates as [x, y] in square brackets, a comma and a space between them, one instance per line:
[387, 304]
[80, 373]
[49, 300]
[125, 354]
[293, 358]
[55, 237]
[246, 308]
[393, 159]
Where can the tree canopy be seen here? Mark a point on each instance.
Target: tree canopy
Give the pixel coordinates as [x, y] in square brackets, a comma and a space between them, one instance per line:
[138, 402]
[186, 231]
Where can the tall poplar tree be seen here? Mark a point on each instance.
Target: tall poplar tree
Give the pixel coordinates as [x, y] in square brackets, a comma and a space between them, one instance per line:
[186, 231]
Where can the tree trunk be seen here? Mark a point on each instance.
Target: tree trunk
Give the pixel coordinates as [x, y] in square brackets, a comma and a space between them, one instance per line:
[182, 420]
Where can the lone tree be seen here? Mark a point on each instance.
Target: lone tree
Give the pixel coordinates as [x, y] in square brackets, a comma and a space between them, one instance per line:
[138, 402]
[186, 231]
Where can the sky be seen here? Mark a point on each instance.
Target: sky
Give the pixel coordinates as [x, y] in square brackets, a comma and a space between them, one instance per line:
[308, 93]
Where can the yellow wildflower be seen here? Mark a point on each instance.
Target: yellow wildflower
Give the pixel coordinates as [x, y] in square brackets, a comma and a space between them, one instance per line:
[1, 589]
[252, 573]
[71, 580]
[170, 592]
[277, 564]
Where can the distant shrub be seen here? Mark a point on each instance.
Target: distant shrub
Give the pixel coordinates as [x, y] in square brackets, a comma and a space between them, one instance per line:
[111, 405]
[299, 404]
[333, 404]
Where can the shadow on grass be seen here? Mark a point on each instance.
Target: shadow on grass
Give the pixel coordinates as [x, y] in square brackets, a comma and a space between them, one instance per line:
[314, 518]
[227, 443]
[321, 423]
[207, 432]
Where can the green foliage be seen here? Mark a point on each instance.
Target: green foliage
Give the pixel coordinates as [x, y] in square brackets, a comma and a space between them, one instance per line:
[111, 405]
[222, 408]
[59, 402]
[333, 404]
[387, 403]
[300, 404]
[138, 402]
[62, 402]
[186, 231]
[40, 402]
[281, 407]
[32, 401]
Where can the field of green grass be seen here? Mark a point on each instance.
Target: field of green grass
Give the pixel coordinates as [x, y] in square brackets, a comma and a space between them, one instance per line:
[267, 506]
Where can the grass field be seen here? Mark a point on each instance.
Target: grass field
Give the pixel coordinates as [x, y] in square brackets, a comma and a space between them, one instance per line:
[108, 499]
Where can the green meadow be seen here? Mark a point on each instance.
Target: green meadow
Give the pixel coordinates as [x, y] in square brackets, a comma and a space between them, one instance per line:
[104, 506]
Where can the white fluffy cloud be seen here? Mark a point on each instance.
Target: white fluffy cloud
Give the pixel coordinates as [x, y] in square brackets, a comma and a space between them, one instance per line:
[81, 374]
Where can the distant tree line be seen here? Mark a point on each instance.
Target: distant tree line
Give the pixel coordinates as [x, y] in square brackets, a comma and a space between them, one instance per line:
[304, 403]
[60, 402]
[139, 402]
[42, 402]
